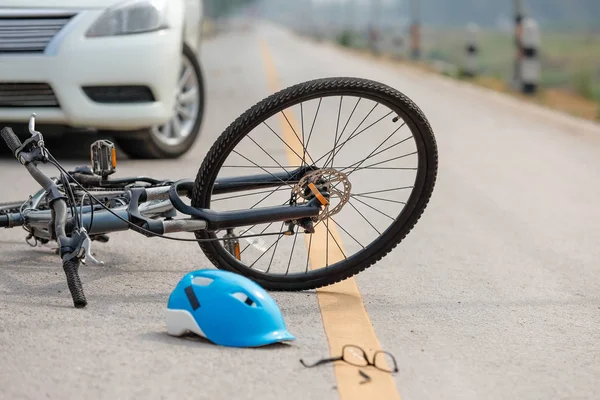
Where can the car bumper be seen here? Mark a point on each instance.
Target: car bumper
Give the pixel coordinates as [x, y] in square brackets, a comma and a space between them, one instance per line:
[87, 82]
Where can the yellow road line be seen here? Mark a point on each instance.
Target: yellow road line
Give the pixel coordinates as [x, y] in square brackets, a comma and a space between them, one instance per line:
[345, 319]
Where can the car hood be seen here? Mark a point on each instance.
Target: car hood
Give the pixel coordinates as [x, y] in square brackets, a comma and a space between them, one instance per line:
[45, 4]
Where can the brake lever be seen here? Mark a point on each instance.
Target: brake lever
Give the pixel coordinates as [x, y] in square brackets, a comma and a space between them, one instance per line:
[86, 249]
[39, 151]
[83, 250]
[35, 135]
[32, 130]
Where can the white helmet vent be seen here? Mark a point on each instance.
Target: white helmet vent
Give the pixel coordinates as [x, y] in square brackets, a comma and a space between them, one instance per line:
[202, 281]
[243, 297]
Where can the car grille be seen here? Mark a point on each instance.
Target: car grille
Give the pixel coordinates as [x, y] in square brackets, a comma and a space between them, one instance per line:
[30, 34]
[27, 95]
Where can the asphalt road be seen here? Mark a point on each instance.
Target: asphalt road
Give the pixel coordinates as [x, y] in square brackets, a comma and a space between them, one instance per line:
[494, 294]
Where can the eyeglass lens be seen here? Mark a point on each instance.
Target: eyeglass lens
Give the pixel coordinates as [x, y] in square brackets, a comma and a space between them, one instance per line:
[385, 361]
[355, 355]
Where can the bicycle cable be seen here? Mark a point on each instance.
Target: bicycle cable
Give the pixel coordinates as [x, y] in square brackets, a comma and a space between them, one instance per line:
[71, 196]
[137, 228]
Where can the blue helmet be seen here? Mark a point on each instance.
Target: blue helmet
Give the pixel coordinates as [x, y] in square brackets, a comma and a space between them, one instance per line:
[225, 308]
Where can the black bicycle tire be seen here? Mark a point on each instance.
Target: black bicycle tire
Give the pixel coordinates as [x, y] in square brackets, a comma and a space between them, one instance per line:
[380, 247]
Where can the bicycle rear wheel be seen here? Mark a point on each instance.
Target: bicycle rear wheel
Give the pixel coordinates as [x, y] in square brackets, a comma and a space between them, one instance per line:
[359, 172]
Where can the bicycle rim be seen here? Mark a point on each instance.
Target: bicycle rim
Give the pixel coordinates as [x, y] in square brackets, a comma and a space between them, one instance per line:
[362, 124]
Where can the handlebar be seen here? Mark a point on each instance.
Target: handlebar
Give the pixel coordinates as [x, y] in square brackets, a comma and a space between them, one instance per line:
[4, 221]
[12, 141]
[67, 245]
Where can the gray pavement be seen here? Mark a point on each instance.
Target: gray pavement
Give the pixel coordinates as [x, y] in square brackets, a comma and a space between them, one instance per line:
[493, 295]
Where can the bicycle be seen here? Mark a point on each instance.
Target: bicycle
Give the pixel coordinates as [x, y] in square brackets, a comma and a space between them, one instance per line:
[86, 204]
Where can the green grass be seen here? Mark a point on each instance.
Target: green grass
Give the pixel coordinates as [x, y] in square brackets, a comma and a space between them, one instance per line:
[570, 63]
[569, 60]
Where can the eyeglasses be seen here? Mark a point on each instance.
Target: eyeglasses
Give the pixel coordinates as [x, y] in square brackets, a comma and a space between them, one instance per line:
[356, 356]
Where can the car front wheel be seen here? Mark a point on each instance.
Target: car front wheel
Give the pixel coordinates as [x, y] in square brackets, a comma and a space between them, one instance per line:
[176, 136]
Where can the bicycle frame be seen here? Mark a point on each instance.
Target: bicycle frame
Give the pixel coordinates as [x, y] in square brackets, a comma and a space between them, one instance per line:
[148, 210]
[156, 208]
[148, 204]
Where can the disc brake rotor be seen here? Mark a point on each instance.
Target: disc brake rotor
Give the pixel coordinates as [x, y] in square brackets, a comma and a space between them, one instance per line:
[331, 183]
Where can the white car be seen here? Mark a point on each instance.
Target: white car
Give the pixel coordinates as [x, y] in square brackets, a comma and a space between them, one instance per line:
[125, 66]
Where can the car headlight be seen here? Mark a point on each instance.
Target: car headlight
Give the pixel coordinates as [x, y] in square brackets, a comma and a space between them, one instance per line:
[133, 16]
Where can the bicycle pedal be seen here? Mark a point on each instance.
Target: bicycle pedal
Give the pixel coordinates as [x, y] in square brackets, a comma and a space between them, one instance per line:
[104, 158]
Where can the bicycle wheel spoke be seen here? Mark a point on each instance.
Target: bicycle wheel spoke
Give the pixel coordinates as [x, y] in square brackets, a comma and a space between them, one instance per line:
[356, 135]
[265, 252]
[292, 166]
[368, 205]
[266, 197]
[267, 153]
[348, 233]
[378, 198]
[279, 179]
[260, 167]
[248, 230]
[274, 250]
[302, 128]
[336, 242]
[384, 168]
[365, 218]
[327, 243]
[262, 232]
[283, 141]
[251, 194]
[384, 191]
[386, 161]
[304, 149]
[355, 167]
[350, 137]
[337, 127]
[343, 130]
[292, 253]
[313, 124]
[377, 148]
[350, 117]
[379, 163]
[308, 254]
[386, 149]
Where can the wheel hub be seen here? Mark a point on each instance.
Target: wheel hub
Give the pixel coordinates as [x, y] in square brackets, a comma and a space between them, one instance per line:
[331, 184]
[185, 109]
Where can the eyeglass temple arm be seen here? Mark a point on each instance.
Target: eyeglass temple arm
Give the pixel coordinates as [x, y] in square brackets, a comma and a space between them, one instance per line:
[323, 361]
